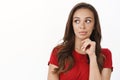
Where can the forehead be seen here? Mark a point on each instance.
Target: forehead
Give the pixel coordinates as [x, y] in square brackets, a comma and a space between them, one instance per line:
[83, 12]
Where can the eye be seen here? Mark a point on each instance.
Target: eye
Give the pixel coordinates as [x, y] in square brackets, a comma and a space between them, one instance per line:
[88, 21]
[77, 21]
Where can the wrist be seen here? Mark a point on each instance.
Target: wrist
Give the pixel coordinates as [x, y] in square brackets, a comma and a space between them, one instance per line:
[93, 56]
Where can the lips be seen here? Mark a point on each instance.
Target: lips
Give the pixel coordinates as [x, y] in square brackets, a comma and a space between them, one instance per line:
[83, 32]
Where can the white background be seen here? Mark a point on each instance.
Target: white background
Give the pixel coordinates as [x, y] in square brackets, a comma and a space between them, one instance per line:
[29, 29]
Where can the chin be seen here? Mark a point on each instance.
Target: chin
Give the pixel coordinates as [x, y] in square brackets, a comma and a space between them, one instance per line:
[83, 38]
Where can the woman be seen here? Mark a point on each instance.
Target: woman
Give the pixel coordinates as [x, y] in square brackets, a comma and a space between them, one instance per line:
[80, 56]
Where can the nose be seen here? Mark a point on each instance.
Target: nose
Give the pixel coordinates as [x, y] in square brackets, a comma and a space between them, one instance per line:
[82, 25]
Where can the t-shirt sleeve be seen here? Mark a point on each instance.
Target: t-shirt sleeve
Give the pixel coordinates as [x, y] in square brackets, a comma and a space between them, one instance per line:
[108, 59]
[53, 57]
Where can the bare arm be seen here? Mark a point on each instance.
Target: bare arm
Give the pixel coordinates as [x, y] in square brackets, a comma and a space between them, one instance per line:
[94, 70]
[106, 73]
[51, 75]
[89, 47]
[95, 74]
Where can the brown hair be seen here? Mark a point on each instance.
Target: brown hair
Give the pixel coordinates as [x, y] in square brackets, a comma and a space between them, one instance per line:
[67, 46]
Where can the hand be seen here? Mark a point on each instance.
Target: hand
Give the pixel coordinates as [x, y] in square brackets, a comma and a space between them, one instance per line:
[88, 47]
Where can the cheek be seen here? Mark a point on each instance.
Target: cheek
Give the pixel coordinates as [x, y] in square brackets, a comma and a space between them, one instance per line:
[90, 28]
[90, 31]
[75, 28]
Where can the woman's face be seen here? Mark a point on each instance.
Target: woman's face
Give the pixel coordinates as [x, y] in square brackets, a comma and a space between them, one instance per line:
[83, 23]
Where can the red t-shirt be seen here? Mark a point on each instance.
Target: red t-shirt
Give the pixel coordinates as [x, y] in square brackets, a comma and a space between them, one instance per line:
[80, 70]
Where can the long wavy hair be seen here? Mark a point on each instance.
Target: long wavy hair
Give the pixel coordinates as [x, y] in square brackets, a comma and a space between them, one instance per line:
[67, 46]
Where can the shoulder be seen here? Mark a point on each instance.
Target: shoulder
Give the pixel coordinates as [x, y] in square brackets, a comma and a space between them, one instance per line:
[107, 58]
[106, 52]
[56, 49]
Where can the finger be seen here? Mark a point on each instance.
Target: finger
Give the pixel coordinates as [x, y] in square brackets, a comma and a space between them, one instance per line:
[86, 45]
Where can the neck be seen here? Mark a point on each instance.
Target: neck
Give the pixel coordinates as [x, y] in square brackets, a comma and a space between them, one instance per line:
[78, 45]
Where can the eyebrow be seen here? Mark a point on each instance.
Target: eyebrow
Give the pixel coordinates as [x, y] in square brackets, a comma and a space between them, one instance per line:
[76, 17]
[85, 17]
